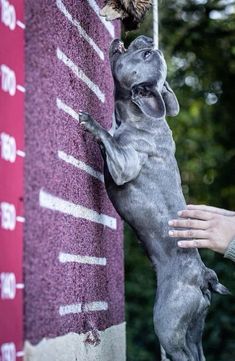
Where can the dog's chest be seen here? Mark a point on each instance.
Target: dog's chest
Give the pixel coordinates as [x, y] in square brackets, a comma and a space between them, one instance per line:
[156, 190]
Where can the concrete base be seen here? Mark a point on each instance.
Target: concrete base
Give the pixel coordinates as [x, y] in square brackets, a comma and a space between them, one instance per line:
[99, 346]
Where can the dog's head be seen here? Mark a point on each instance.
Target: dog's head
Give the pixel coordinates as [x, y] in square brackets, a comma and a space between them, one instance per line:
[140, 72]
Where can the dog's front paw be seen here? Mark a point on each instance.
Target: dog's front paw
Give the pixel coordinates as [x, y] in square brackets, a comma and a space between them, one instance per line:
[88, 123]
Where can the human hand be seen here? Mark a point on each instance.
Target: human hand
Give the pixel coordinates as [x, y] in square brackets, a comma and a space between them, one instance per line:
[210, 227]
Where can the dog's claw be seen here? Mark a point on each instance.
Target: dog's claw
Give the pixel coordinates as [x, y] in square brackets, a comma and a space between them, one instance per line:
[89, 124]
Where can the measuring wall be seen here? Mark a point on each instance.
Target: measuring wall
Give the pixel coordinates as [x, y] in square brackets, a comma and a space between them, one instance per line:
[11, 178]
[73, 257]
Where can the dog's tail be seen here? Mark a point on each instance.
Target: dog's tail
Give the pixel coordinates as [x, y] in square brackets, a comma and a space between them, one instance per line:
[213, 283]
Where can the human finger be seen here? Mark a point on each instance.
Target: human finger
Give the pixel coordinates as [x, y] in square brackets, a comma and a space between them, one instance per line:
[196, 214]
[189, 223]
[206, 208]
[195, 243]
[189, 233]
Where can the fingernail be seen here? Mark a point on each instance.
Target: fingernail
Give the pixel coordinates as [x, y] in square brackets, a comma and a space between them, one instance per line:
[171, 223]
[180, 244]
[179, 213]
[171, 233]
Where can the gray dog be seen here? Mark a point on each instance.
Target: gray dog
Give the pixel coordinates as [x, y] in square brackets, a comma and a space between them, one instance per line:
[143, 182]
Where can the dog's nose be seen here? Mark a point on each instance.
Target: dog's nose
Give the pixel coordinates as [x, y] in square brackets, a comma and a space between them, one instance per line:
[117, 46]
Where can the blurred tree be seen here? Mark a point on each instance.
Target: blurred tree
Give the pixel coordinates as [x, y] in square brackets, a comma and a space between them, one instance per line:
[198, 40]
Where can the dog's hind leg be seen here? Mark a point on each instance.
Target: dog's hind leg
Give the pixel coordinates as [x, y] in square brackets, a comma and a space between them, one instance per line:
[195, 344]
[163, 354]
[195, 330]
[173, 316]
[182, 355]
[173, 340]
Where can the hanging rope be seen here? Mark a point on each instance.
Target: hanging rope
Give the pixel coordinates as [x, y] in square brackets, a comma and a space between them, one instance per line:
[155, 24]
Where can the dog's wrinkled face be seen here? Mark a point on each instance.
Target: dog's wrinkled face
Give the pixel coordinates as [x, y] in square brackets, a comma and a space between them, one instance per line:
[139, 64]
[140, 76]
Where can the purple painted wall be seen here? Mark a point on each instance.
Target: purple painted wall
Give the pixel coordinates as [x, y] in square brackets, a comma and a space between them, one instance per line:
[53, 28]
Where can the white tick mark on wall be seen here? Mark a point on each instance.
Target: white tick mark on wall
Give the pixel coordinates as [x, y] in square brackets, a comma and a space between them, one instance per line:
[85, 307]
[68, 257]
[81, 31]
[109, 26]
[54, 203]
[80, 74]
[81, 165]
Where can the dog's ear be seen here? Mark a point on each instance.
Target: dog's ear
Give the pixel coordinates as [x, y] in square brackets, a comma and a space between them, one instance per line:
[170, 100]
[149, 100]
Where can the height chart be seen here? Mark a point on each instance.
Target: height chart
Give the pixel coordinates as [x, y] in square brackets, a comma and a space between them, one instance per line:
[11, 178]
[73, 251]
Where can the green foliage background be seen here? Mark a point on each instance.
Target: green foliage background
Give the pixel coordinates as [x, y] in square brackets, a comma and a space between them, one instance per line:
[198, 40]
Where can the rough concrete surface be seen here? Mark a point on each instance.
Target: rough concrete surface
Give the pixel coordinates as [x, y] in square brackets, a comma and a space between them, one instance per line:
[74, 347]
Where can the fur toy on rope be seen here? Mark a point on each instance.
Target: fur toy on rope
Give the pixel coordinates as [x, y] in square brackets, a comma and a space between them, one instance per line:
[131, 12]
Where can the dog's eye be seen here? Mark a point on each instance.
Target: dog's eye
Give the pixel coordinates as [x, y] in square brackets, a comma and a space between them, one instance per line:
[147, 54]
